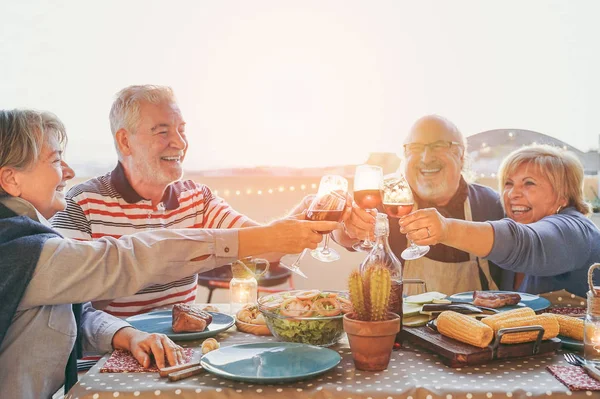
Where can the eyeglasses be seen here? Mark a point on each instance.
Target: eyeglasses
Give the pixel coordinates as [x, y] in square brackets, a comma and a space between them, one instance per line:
[437, 146]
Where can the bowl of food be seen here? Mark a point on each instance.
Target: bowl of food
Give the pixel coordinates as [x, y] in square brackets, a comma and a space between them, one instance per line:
[250, 320]
[310, 317]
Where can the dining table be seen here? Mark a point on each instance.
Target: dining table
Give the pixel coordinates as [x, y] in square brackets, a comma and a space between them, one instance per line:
[412, 373]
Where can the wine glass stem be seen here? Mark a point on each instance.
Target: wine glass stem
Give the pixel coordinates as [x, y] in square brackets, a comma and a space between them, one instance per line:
[325, 250]
[413, 246]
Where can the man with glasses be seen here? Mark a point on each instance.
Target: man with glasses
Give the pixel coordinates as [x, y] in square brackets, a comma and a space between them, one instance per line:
[434, 161]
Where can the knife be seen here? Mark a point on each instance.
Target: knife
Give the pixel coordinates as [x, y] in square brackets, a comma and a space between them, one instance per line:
[590, 368]
[464, 308]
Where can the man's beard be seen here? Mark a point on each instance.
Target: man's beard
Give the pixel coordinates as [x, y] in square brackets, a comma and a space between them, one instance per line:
[430, 191]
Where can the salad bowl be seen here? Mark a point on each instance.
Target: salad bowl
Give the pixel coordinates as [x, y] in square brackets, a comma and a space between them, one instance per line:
[310, 317]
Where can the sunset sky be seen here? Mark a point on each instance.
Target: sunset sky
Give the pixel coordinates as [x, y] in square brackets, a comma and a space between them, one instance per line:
[307, 83]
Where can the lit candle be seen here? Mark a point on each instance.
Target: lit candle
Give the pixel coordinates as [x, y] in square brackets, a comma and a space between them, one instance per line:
[242, 291]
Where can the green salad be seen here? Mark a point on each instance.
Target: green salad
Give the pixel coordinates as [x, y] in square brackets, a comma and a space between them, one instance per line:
[310, 317]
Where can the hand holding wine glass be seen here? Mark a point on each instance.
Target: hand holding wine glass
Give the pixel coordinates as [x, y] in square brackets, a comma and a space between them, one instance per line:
[329, 204]
[398, 201]
[368, 183]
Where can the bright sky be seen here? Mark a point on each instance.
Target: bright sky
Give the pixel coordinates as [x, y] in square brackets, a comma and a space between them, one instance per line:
[306, 83]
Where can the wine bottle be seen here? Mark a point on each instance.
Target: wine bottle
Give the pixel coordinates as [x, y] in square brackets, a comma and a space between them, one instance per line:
[382, 255]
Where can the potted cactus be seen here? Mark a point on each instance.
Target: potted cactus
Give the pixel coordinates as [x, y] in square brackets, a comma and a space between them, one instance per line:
[370, 327]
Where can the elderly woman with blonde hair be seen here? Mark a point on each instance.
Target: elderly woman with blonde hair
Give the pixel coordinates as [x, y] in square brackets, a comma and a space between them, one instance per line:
[546, 237]
[43, 273]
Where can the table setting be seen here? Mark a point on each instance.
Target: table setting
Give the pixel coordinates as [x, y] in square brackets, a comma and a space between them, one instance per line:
[412, 372]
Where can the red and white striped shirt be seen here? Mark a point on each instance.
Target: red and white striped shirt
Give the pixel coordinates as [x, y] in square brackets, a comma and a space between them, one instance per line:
[109, 206]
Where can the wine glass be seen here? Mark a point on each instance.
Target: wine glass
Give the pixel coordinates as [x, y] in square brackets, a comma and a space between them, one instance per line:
[328, 204]
[398, 201]
[368, 183]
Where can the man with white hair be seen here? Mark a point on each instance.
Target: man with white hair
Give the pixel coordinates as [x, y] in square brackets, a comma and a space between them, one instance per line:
[144, 191]
[434, 159]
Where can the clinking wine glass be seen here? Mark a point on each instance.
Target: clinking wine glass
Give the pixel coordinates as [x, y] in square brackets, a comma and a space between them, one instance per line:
[329, 205]
[398, 201]
[368, 184]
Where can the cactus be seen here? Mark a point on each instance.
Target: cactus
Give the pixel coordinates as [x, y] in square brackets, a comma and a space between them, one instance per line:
[357, 296]
[370, 293]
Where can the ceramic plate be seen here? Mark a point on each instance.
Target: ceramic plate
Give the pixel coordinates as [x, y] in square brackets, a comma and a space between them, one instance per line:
[533, 301]
[160, 322]
[571, 343]
[270, 362]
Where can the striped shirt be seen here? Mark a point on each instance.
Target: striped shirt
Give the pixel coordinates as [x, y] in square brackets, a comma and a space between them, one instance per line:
[109, 206]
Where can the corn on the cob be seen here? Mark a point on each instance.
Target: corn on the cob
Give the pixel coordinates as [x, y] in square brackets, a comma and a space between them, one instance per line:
[464, 328]
[570, 326]
[548, 322]
[494, 320]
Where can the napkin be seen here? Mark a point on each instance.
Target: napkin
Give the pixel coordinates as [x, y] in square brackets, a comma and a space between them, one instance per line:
[122, 361]
[575, 378]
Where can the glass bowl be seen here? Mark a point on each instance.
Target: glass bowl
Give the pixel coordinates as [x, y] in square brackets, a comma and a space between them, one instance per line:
[315, 326]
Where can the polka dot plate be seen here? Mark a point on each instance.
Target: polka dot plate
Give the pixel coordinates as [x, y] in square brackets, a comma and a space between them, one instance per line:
[161, 321]
[270, 362]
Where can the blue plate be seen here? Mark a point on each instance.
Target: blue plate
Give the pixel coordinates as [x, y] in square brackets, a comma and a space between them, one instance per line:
[272, 362]
[570, 343]
[161, 321]
[533, 301]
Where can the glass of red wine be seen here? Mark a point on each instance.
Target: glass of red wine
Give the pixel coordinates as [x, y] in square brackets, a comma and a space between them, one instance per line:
[328, 204]
[398, 201]
[368, 184]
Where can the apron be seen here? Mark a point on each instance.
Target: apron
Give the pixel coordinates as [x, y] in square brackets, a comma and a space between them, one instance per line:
[448, 278]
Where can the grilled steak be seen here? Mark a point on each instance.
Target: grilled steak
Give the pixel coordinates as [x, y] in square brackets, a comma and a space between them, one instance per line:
[494, 300]
[188, 318]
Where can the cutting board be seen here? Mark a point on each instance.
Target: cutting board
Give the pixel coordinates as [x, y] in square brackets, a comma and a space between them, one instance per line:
[458, 354]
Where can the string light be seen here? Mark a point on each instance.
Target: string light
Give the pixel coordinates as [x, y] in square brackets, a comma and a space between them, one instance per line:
[281, 189]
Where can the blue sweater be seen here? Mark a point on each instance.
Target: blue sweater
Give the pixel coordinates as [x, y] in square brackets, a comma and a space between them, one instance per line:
[21, 243]
[555, 252]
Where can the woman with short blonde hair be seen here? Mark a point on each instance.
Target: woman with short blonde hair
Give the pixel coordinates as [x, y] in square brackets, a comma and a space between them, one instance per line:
[562, 168]
[547, 236]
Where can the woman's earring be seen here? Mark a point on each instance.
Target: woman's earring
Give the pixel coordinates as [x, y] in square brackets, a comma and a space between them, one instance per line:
[559, 208]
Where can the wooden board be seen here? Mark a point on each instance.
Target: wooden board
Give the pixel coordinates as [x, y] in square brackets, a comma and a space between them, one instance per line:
[458, 354]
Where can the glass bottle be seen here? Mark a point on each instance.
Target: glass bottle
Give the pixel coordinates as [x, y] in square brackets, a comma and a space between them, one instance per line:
[591, 332]
[382, 254]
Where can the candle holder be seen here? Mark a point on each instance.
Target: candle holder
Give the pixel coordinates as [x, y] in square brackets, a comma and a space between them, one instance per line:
[591, 333]
[243, 287]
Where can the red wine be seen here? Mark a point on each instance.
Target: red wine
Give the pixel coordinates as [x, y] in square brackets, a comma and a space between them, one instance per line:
[397, 210]
[368, 199]
[328, 215]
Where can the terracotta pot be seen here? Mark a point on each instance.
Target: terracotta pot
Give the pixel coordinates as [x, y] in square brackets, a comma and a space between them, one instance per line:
[371, 342]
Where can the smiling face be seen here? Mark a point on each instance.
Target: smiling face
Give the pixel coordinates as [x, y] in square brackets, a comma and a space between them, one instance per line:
[434, 173]
[43, 183]
[528, 195]
[154, 153]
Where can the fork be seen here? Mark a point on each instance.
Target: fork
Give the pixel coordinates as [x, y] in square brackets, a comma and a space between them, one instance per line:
[579, 361]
